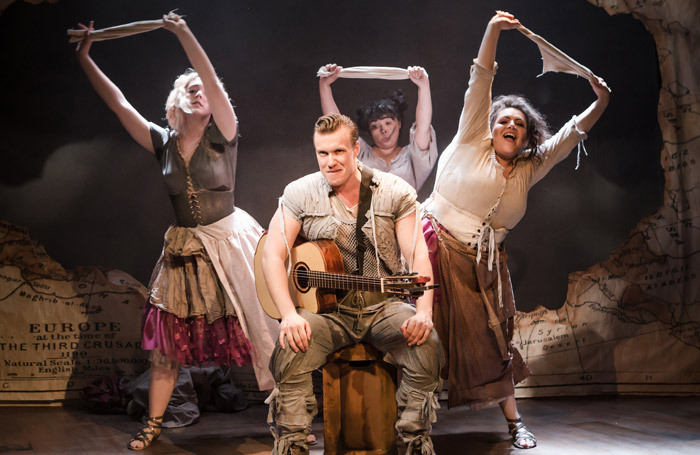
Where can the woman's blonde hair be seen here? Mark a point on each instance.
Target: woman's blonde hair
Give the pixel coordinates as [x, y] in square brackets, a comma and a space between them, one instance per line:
[177, 105]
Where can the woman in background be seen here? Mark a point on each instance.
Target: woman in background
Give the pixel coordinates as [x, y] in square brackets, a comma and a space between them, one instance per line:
[383, 119]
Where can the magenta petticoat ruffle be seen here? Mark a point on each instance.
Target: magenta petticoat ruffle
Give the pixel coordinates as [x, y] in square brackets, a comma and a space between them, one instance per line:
[192, 341]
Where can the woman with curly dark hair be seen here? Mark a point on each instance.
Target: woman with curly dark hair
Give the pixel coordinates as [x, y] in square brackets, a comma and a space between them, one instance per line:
[501, 149]
[383, 119]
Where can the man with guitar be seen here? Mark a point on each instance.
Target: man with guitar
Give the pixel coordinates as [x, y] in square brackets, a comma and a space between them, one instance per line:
[361, 211]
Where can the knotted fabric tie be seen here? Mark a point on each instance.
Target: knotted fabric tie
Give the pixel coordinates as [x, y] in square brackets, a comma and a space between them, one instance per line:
[430, 407]
[492, 249]
[271, 400]
[420, 444]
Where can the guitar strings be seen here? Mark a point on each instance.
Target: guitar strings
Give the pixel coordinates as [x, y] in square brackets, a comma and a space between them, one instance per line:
[343, 280]
[330, 275]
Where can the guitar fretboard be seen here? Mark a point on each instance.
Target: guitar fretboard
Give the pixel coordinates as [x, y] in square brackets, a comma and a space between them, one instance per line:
[342, 281]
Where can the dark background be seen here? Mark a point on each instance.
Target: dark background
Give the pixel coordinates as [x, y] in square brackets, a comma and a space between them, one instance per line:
[87, 192]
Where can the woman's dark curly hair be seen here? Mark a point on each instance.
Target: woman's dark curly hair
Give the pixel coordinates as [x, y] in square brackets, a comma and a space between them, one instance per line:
[537, 129]
[391, 106]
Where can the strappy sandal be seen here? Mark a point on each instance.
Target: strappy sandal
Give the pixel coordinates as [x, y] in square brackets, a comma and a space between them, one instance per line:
[147, 434]
[519, 432]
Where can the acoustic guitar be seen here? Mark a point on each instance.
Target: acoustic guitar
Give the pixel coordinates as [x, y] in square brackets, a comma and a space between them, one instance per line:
[318, 272]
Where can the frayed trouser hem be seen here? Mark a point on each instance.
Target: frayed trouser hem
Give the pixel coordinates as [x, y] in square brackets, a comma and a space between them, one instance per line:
[420, 444]
[289, 444]
[417, 413]
[289, 416]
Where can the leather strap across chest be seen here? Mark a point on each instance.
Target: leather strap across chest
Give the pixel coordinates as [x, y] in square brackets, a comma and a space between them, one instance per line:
[362, 208]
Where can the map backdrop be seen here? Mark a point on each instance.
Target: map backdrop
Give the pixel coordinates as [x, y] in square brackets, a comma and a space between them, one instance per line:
[62, 328]
[631, 324]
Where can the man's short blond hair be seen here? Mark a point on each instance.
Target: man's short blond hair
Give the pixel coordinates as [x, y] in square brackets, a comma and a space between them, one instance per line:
[329, 123]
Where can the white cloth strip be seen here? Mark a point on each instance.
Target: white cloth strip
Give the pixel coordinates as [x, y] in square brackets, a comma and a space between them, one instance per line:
[119, 31]
[368, 72]
[555, 60]
[578, 154]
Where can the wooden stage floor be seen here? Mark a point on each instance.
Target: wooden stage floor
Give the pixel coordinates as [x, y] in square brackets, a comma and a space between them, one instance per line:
[563, 426]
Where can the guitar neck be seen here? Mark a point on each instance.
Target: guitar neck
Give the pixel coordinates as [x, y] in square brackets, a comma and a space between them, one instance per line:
[340, 281]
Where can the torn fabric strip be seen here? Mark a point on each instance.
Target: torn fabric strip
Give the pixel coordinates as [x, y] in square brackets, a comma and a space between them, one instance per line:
[555, 60]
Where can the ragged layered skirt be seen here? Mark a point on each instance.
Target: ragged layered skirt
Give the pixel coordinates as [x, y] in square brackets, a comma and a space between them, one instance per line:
[202, 306]
[475, 329]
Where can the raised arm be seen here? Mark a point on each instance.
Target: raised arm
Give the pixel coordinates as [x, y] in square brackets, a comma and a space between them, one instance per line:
[131, 120]
[424, 107]
[416, 328]
[586, 119]
[295, 329]
[474, 120]
[221, 109]
[328, 105]
[487, 51]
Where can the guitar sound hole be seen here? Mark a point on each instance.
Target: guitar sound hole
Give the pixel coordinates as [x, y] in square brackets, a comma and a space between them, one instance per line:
[301, 277]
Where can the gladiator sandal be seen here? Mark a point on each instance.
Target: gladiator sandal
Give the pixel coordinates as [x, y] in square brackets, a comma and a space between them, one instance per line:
[147, 434]
[520, 434]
